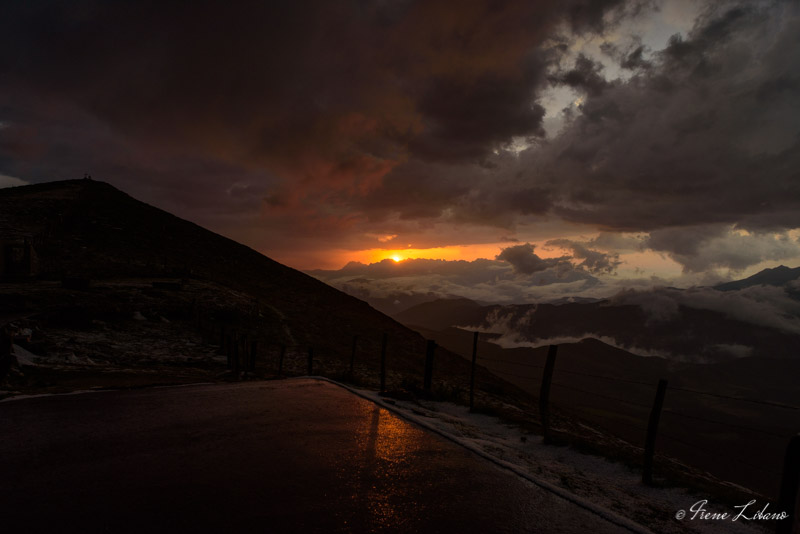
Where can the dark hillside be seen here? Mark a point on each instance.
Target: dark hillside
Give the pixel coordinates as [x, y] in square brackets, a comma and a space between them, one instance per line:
[115, 283]
[443, 313]
[90, 230]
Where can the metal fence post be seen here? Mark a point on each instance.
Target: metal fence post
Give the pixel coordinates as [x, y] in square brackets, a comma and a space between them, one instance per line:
[652, 431]
[221, 340]
[235, 347]
[253, 354]
[544, 392]
[472, 372]
[245, 363]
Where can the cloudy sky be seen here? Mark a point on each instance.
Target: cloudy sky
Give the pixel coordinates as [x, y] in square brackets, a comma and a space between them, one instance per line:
[585, 143]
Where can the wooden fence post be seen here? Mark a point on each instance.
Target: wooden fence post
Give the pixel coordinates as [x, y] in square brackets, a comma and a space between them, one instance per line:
[472, 372]
[253, 355]
[544, 392]
[787, 501]
[221, 340]
[652, 432]
[353, 355]
[245, 363]
[310, 361]
[235, 347]
[280, 359]
[6, 348]
[383, 361]
[428, 378]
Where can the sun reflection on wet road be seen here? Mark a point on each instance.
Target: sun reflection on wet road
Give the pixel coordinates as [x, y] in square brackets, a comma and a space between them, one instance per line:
[388, 448]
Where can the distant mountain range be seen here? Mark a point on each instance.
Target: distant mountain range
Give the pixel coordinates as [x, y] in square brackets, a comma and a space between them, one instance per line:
[779, 276]
[700, 325]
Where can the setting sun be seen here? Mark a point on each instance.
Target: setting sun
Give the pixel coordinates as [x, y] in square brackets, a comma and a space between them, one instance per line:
[443, 253]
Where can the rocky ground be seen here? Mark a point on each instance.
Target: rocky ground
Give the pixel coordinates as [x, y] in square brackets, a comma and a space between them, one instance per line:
[120, 333]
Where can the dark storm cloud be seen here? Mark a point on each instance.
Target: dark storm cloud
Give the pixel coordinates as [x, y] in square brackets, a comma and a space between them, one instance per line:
[699, 248]
[466, 121]
[594, 261]
[280, 122]
[258, 81]
[688, 141]
[634, 60]
[586, 75]
[524, 260]
[631, 56]
[597, 15]
[313, 102]
[617, 242]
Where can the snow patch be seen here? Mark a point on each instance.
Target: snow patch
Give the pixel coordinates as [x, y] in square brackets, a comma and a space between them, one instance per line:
[25, 357]
[611, 490]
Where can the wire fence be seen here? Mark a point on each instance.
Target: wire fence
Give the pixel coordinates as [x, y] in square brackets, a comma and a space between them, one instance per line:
[740, 399]
[712, 436]
[734, 437]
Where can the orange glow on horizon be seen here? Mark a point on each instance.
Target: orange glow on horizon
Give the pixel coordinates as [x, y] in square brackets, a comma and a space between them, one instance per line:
[397, 255]
[450, 253]
[636, 264]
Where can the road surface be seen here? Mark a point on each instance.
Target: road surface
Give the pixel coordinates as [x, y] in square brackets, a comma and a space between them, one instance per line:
[283, 456]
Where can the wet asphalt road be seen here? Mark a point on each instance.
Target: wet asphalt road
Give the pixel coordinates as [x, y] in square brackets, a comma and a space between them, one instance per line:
[285, 456]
